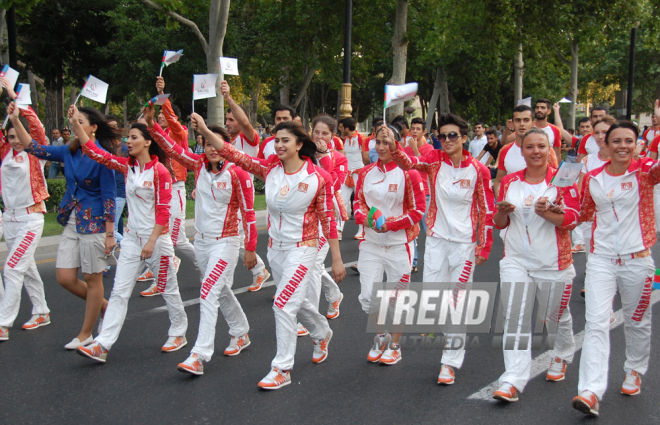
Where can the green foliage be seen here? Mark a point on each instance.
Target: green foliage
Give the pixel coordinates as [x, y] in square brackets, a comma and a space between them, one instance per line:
[56, 190]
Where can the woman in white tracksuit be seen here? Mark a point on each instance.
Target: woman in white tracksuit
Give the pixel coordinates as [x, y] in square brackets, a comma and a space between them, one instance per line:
[460, 217]
[399, 195]
[146, 240]
[538, 217]
[298, 197]
[618, 198]
[223, 191]
[23, 194]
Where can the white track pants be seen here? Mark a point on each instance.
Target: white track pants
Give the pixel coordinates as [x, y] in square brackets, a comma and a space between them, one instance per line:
[178, 223]
[321, 280]
[635, 281]
[346, 193]
[292, 272]
[129, 267]
[241, 253]
[585, 228]
[447, 261]
[218, 258]
[373, 260]
[22, 239]
[517, 363]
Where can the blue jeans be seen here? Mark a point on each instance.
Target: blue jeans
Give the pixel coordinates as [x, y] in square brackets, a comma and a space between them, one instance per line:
[119, 206]
[55, 169]
[422, 226]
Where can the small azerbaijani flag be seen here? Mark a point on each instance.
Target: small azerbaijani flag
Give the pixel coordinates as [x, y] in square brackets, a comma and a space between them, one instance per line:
[170, 57]
[375, 218]
[656, 279]
[399, 94]
[158, 100]
[10, 74]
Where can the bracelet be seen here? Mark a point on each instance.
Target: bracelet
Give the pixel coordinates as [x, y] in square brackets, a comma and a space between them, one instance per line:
[109, 234]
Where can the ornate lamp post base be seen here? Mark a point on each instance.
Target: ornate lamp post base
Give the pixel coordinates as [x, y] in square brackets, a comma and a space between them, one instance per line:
[345, 110]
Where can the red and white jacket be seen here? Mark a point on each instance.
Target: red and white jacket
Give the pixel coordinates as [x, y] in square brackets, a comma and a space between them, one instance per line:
[540, 245]
[267, 148]
[219, 196]
[510, 159]
[588, 145]
[250, 147]
[338, 175]
[398, 194]
[554, 135]
[24, 187]
[649, 135]
[461, 198]
[623, 218]
[148, 192]
[296, 202]
[353, 152]
[179, 134]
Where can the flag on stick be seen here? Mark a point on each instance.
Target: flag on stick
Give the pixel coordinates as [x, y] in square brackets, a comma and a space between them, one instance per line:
[23, 95]
[94, 89]
[656, 279]
[565, 100]
[526, 101]
[10, 74]
[157, 100]
[375, 218]
[169, 57]
[395, 95]
[204, 86]
[229, 66]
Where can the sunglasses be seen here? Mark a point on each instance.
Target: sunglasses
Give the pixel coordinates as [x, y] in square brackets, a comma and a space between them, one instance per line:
[453, 136]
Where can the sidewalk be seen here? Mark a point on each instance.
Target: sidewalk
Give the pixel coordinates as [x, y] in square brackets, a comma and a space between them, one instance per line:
[47, 247]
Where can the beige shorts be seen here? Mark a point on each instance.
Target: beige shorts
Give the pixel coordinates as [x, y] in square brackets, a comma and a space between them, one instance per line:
[84, 251]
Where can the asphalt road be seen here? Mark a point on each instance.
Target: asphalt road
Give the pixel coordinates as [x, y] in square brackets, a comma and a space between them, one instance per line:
[42, 383]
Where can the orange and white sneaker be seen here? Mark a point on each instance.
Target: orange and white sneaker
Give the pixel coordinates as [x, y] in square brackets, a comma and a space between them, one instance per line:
[275, 379]
[632, 385]
[259, 280]
[147, 275]
[321, 348]
[174, 343]
[193, 365]
[302, 331]
[333, 308]
[506, 392]
[380, 343]
[94, 351]
[446, 376]
[392, 355]
[177, 263]
[587, 403]
[340, 234]
[557, 370]
[237, 344]
[37, 321]
[151, 291]
[4, 333]
[578, 248]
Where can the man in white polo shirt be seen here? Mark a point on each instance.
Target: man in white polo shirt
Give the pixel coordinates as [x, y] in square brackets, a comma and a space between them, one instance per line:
[478, 142]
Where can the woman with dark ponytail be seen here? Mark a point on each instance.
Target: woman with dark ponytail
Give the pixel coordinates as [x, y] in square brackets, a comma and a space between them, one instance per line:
[148, 194]
[87, 212]
[298, 197]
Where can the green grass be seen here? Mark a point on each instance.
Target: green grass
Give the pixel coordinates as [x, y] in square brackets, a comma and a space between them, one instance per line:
[52, 227]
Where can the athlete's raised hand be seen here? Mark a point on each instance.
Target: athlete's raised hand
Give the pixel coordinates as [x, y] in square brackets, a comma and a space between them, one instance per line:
[160, 84]
[149, 112]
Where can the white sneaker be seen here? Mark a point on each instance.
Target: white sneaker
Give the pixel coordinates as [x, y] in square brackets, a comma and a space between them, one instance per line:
[557, 370]
[302, 331]
[193, 365]
[174, 343]
[4, 333]
[177, 263]
[333, 308]
[275, 379]
[237, 345]
[632, 385]
[392, 355]
[381, 342]
[37, 321]
[446, 376]
[321, 348]
[75, 343]
[151, 291]
[339, 234]
[259, 280]
[506, 392]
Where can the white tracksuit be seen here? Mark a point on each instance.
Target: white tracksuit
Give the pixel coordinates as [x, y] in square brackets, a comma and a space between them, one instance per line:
[353, 153]
[148, 194]
[399, 195]
[591, 162]
[623, 233]
[178, 223]
[304, 197]
[451, 243]
[221, 199]
[536, 252]
[22, 225]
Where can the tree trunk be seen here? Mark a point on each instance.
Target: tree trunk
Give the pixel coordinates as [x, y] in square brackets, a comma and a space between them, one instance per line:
[124, 106]
[254, 105]
[284, 86]
[303, 88]
[518, 71]
[444, 93]
[3, 38]
[33, 91]
[434, 97]
[51, 106]
[399, 52]
[574, 85]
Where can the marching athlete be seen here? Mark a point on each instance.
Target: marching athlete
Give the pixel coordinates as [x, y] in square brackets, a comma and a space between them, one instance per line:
[538, 217]
[297, 192]
[169, 120]
[459, 220]
[399, 195]
[146, 239]
[223, 191]
[618, 198]
[23, 194]
[87, 212]
[353, 146]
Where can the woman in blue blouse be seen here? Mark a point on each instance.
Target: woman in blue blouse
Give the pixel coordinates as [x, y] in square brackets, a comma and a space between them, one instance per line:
[87, 212]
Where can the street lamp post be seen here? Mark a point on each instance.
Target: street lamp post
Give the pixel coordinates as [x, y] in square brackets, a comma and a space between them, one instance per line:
[346, 110]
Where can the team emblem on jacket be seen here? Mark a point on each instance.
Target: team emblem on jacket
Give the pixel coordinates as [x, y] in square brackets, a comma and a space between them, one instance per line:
[18, 159]
[284, 190]
[529, 200]
[221, 185]
[393, 187]
[147, 184]
[465, 184]
[626, 186]
[302, 187]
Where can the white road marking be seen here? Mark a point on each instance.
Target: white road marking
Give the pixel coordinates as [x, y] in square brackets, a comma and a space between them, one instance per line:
[540, 364]
[236, 292]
